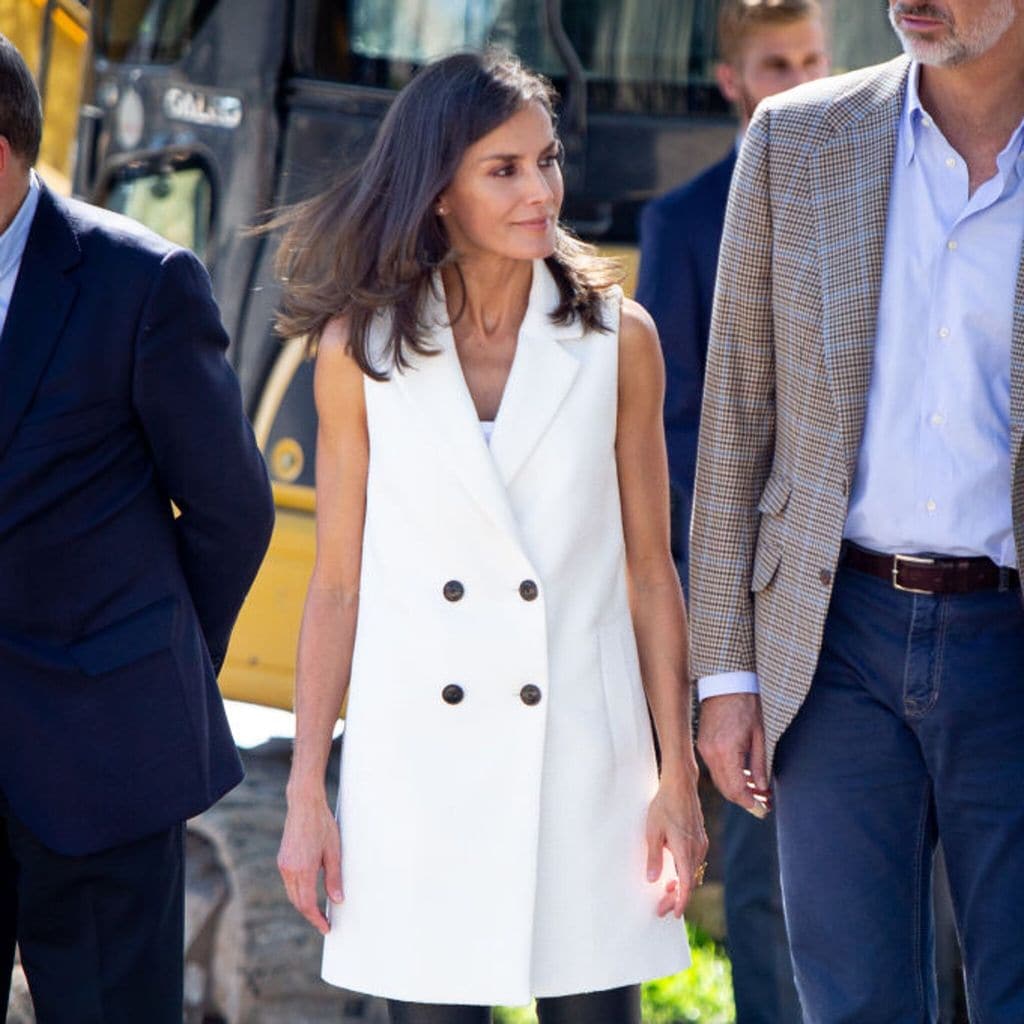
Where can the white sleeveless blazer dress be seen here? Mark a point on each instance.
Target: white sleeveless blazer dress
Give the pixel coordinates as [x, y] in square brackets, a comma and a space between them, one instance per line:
[498, 761]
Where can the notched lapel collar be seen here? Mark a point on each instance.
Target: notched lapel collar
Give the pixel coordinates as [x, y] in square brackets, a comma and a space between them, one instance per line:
[542, 374]
[39, 308]
[851, 180]
[435, 385]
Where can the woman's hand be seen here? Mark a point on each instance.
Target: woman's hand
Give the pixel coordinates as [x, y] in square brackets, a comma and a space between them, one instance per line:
[674, 819]
[311, 843]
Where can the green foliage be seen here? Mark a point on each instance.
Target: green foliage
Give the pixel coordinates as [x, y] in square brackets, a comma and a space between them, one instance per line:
[514, 1015]
[701, 994]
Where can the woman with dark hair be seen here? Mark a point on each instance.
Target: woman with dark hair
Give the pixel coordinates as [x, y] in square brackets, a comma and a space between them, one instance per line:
[493, 584]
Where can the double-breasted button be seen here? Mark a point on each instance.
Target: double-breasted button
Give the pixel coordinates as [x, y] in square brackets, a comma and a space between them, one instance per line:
[825, 576]
[530, 695]
[453, 590]
[453, 694]
[528, 590]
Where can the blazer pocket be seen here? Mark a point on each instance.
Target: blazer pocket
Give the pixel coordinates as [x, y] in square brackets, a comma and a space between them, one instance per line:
[144, 632]
[775, 496]
[767, 559]
[37, 431]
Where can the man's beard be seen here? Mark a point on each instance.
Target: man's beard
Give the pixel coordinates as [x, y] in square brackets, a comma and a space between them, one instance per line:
[960, 45]
[746, 102]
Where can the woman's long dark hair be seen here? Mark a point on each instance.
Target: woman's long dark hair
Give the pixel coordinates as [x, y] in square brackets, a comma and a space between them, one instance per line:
[372, 241]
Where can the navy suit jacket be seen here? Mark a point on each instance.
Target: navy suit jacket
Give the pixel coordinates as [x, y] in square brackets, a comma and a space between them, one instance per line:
[679, 238]
[117, 399]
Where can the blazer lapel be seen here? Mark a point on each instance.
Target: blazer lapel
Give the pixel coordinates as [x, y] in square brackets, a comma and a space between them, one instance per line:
[1017, 410]
[851, 179]
[435, 385]
[542, 373]
[39, 308]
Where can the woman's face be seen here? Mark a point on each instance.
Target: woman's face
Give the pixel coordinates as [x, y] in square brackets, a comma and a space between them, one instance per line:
[507, 192]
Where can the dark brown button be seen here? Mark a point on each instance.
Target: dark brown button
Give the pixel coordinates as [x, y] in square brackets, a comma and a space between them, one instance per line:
[528, 590]
[530, 695]
[453, 590]
[825, 576]
[453, 694]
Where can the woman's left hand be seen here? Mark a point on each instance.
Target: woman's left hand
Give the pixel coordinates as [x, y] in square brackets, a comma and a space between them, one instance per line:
[674, 819]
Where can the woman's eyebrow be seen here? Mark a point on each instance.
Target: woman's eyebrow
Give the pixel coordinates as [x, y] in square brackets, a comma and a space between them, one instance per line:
[512, 157]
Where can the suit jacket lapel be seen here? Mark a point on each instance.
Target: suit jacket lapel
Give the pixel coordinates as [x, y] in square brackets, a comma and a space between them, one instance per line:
[542, 374]
[39, 308]
[851, 179]
[1017, 412]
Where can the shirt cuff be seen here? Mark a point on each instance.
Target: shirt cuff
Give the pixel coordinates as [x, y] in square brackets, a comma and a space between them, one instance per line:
[723, 683]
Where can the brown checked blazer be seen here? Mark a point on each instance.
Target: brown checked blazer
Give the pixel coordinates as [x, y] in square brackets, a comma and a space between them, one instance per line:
[788, 372]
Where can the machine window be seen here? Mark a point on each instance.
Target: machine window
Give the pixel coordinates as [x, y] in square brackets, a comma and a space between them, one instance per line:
[650, 56]
[157, 31]
[175, 203]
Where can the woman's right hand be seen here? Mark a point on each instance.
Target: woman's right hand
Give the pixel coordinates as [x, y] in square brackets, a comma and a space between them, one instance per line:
[310, 844]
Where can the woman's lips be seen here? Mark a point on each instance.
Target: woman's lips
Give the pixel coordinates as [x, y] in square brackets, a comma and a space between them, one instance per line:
[537, 224]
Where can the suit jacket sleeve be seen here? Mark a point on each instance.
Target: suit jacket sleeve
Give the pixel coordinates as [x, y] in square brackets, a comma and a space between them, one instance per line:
[188, 400]
[737, 434]
[669, 287]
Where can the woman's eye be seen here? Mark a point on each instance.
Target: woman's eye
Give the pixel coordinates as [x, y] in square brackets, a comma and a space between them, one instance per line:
[505, 171]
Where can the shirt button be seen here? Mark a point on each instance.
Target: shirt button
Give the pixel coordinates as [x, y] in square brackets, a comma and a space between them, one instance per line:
[926, 121]
[530, 695]
[943, 332]
[952, 245]
[930, 505]
[950, 162]
[528, 590]
[453, 694]
[825, 576]
[938, 419]
[453, 590]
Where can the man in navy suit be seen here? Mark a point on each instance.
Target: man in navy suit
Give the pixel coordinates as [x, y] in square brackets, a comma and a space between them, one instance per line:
[765, 46]
[115, 401]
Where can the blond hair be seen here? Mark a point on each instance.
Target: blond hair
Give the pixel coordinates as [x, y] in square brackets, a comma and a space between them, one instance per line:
[738, 18]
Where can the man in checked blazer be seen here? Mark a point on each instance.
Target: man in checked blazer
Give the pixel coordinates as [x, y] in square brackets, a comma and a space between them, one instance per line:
[859, 513]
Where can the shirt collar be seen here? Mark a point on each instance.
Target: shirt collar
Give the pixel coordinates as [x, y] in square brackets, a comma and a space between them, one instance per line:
[915, 118]
[12, 241]
[914, 115]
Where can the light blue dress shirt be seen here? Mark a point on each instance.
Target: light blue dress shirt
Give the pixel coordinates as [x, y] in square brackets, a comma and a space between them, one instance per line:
[934, 468]
[12, 246]
[933, 472]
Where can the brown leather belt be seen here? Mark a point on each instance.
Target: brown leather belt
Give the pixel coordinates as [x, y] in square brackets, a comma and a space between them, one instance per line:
[917, 574]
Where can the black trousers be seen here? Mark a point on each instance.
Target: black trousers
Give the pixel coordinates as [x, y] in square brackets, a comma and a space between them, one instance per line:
[614, 1006]
[101, 935]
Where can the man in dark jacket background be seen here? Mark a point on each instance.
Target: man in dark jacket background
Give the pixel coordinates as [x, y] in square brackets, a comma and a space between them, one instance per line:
[765, 46]
[115, 401]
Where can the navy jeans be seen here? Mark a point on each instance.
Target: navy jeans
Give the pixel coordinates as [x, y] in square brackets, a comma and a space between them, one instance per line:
[913, 729]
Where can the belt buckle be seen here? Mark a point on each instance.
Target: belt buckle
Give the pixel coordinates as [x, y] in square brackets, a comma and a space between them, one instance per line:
[913, 560]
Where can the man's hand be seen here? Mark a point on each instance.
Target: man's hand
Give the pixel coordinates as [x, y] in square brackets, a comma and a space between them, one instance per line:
[731, 741]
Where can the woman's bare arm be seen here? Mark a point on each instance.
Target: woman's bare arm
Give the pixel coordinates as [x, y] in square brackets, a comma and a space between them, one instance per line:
[656, 600]
[310, 841]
